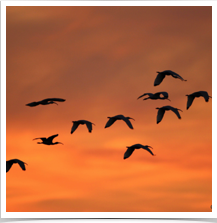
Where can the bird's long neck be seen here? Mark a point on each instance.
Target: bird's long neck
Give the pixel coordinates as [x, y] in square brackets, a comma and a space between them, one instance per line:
[57, 143]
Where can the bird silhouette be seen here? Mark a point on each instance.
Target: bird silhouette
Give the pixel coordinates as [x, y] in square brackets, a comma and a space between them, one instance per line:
[9, 164]
[81, 122]
[156, 96]
[119, 117]
[46, 101]
[162, 110]
[49, 140]
[161, 76]
[130, 149]
[197, 94]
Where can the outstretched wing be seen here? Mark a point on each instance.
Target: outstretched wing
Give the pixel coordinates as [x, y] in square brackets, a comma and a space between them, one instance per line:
[110, 122]
[33, 104]
[190, 100]
[175, 110]
[159, 79]
[74, 127]
[164, 93]
[22, 164]
[9, 164]
[52, 137]
[205, 95]
[175, 75]
[147, 148]
[42, 138]
[128, 152]
[54, 99]
[89, 126]
[160, 114]
[128, 122]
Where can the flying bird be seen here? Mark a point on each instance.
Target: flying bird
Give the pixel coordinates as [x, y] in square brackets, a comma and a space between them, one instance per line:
[162, 110]
[161, 76]
[46, 101]
[156, 95]
[119, 117]
[130, 149]
[197, 94]
[49, 140]
[81, 122]
[9, 164]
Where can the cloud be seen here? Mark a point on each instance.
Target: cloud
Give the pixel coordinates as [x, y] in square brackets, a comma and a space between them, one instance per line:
[100, 59]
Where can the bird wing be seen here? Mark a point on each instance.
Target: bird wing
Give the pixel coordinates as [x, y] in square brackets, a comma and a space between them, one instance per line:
[190, 100]
[32, 104]
[43, 138]
[175, 110]
[159, 79]
[149, 94]
[9, 164]
[205, 95]
[128, 152]
[54, 99]
[89, 126]
[164, 93]
[128, 122]
[110, 122]
[176, 75]
[74, 127]
[146, 148]
[52, 137]
[22, 164]
[160, 115]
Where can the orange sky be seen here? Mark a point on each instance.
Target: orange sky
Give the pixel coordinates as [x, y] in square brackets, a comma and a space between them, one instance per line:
[100, 59]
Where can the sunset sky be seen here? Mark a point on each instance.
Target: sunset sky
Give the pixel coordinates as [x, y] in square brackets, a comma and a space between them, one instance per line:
[100, 59]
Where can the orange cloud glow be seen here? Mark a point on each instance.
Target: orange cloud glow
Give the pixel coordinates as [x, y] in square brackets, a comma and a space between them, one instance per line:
[100, 59]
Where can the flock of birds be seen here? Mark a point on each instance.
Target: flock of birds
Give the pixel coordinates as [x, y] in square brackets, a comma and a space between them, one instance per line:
[160, 114]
